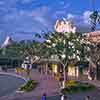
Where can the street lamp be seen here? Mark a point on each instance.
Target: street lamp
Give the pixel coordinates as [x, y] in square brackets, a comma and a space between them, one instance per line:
[27, 66]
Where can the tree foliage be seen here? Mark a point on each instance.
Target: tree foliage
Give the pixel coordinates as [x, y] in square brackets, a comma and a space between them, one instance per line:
[66, 46]
[94, 20]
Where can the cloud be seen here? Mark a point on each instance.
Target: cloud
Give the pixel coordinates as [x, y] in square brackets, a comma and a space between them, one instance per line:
[31, 16]
[70, 16]
[27, 21]
[86, 16]
[26, 1]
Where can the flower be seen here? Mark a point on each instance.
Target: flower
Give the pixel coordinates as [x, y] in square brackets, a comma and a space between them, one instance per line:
[49, 41]
[49, 46]
[73, 46]
[63, 56]
[64, 42]
[88, 48]
[53, 44]
[77, 51]
[78, 58]
[69, 57]
[70, 43]
[74, 55]
[77, 39]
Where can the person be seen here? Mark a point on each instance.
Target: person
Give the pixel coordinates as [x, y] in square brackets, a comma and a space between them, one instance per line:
[44, 97]
[64, 97]
[87, 98]
[39, 69]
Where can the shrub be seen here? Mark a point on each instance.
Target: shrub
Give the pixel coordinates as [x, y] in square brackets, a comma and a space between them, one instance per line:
[70, 83]
[29, 86]
[76, 87]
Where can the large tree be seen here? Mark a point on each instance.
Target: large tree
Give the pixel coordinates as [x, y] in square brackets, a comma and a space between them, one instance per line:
[94, 20]
[94, 17]
[66, 46]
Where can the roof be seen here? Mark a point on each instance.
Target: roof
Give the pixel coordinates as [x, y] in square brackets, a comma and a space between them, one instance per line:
[93, 37]
[48, 61]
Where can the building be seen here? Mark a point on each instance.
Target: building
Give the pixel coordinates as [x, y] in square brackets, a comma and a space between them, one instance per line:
[94, 39]
[49, 66]
[64, 26]
[54, 67]
[53, 64]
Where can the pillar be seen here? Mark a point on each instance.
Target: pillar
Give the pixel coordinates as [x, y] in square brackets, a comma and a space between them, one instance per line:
[46, 68]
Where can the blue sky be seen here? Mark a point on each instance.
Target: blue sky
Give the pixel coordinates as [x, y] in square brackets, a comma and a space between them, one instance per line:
[21, 18]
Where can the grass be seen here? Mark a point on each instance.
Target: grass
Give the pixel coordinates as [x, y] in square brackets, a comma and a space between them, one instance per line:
[76, 87]
[29, 86]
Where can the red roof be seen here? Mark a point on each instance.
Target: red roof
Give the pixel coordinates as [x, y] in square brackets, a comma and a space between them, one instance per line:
[93, 37]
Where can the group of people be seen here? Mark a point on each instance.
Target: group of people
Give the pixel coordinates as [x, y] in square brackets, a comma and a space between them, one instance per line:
[63, 97]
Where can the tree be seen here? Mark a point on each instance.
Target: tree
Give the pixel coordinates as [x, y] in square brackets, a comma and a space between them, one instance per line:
[94, 17]
[66, 46]
[94, 20]
[95, 53]
[31, 51]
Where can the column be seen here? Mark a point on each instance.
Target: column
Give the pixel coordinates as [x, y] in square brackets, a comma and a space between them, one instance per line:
[46, 68]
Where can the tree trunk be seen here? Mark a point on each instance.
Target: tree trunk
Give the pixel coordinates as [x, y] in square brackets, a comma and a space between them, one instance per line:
[64, 73]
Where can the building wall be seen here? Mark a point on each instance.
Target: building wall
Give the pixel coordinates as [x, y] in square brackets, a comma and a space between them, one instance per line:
[73, 71]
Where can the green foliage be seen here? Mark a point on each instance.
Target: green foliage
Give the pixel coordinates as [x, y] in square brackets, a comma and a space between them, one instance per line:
[66, 44]
[94, 20]
[77, 87]
[21, 49]
[29, 86]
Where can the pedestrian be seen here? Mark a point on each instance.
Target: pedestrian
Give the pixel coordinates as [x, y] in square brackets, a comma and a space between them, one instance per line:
[44, 97]
[64, 97]
[87, 98]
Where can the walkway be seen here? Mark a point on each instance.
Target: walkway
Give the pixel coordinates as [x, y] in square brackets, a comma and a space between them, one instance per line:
[46, 84]
[93, 82]
[50, 86]
[86, 80]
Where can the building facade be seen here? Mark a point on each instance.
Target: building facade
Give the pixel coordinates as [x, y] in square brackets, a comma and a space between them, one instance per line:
[94, 39]
[64, 26]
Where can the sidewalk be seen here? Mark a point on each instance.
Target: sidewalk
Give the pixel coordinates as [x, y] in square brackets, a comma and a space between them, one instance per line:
[46, 84]
[86, 80]
[93, 82]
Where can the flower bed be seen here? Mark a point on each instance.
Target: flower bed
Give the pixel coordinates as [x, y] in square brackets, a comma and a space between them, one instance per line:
[29, 86]
[76, 87]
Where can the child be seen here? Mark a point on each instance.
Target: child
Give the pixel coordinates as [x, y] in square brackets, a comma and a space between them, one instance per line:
[87, 98]
[44, 97]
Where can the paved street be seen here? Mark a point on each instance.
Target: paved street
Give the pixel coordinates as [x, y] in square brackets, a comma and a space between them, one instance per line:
[50, 86]
[46, 84]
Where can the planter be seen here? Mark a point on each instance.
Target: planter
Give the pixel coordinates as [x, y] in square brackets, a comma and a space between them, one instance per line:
[76, 87]
[29, 86]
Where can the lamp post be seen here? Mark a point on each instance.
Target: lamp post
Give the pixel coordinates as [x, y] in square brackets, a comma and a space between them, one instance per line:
[27, 66]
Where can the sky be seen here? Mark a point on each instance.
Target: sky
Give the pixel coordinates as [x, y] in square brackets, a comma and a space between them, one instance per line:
[20, 19]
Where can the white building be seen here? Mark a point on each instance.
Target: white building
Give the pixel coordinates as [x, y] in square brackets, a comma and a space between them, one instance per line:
[64, 26]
